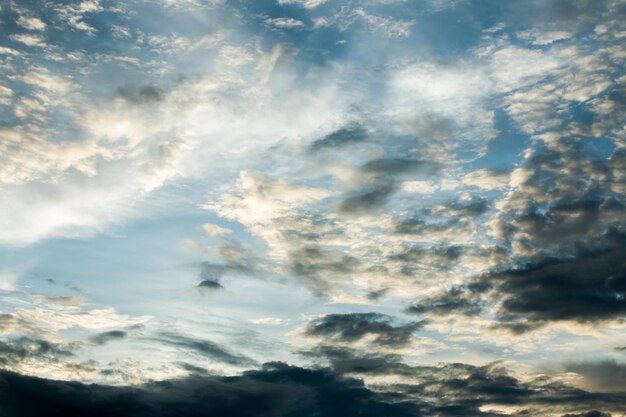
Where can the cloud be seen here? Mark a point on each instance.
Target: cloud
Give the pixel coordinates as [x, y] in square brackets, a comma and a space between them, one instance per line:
[588, 287]
[205, 348]
[275, 390]
[215, 230]
[453, 389]
[486, 179]
[29, 40]
[106, 337]
[371, 197]
[236, 260]
[14, 351]
[353, 327]
[600, 376]
[594, 413]
[454, 301]
[31, 23]
[285, 23]
[339, 138]
[141, 94]
[309, 4]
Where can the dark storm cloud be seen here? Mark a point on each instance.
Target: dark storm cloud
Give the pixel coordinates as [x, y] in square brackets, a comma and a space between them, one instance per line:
[105, 337]
[339, 138]
[205, 348]
[464, 390]
[457, 389]
[587, 287]
[355, 326]
[275, 390]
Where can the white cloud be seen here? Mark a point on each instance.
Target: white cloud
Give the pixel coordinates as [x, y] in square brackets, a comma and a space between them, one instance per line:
[422, 187]
[309, 4]
[268, 320]
[31, 23]
[8, 51]
[486, 179]
[215, 230]
[537, 37]
[29, 40]
[285, 22]
[392, 28]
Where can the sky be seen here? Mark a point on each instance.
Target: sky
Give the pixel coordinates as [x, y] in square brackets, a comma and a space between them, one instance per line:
[313, 208]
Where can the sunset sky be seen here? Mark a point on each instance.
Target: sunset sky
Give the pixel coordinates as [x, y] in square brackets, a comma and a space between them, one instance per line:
[313, 208]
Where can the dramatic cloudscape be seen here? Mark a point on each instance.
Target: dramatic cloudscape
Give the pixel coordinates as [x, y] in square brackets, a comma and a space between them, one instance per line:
[313, 208]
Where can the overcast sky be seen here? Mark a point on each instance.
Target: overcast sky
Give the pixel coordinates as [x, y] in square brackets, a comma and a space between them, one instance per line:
[313, 207]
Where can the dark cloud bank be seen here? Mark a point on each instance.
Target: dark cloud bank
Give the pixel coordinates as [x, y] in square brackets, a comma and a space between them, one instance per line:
[278, 389]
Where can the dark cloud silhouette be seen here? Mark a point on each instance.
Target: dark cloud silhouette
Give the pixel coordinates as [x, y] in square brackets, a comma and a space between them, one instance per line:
[352, 361]
[105, 337]
[594, 413]
[457, 389]
[275, 390]
[355, 326]
[210, 284]
[235, 261]
[587, 287]
[205, 348]
[340, 138]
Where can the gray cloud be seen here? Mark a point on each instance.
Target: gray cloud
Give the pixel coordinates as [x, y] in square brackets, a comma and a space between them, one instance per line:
[205, 348]
[588, 287]
[14, 351]
[105, 337]
[371, 197]
[603, 376]
[355, 326]
[594, 413]
[273, 391]
[137, 95]
[455, 301]
[340, 138]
